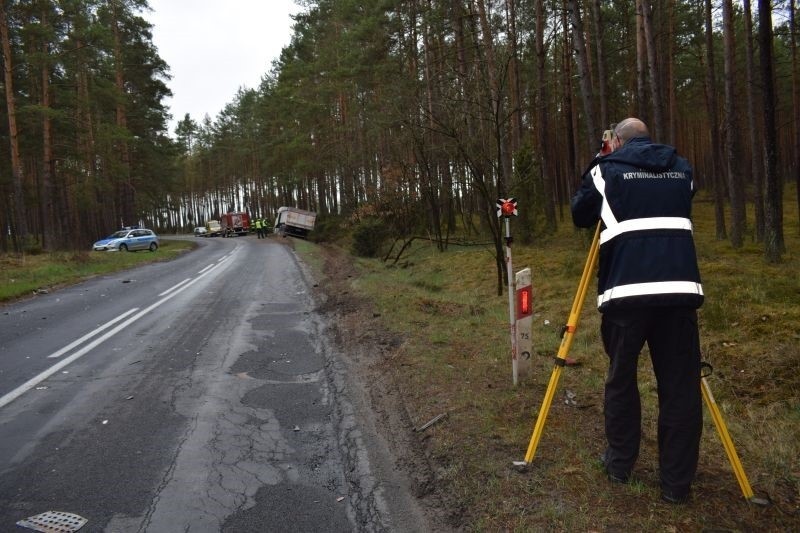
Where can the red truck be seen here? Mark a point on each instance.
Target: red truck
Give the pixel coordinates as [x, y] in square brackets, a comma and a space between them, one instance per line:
[235, 224]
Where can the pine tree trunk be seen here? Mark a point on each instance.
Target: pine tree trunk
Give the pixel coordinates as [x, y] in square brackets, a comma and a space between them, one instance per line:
[427, 160]
[795, 97]
[19, 225]
[601, 62]
[572, 180]
[641, 65]
[717, 181]
[48, 218]
[85, 141]
[513, 78]
[579, 45]
[755, 161]
[672, 99]
[732, 157]
[503, 152]
[774, 245]
[541, 134]
[126, 195]
[654, 71]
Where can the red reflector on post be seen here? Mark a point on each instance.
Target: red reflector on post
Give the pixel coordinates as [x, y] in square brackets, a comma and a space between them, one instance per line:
[524, 302]
[506, 208]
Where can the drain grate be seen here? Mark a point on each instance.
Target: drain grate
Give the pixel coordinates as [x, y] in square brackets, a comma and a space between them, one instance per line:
[54, 522]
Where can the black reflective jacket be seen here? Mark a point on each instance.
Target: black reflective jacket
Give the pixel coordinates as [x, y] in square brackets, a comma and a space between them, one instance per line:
[642, 192]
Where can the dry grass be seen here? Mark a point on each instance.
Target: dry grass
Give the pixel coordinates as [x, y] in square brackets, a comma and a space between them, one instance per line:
[455, 359]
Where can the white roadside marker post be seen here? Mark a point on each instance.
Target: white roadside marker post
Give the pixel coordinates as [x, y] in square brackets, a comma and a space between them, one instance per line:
[524, 322]
[507, 208]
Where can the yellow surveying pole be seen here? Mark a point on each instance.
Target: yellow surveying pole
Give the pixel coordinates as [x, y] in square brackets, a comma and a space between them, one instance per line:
[563, 350]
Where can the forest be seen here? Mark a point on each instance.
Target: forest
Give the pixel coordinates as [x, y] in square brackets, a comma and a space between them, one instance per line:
[409, 117]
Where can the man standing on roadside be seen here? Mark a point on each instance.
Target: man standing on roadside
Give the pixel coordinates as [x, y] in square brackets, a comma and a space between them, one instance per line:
[259, 228]
[648, 291]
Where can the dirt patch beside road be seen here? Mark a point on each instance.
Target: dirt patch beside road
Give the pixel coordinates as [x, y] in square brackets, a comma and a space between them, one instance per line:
[367, 348]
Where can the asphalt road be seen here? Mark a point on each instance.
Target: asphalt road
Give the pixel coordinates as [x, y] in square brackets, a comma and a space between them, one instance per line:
[195, 395]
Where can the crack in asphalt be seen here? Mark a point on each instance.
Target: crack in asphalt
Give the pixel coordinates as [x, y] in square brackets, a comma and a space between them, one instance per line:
[232, 449]
[365, 496]
[227, 452]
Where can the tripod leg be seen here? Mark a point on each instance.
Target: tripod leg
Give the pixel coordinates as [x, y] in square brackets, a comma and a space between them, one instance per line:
[539, 427]
[727, 443]
[566, 343]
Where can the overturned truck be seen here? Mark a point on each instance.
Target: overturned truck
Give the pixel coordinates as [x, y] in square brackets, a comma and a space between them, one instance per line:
[293, 221]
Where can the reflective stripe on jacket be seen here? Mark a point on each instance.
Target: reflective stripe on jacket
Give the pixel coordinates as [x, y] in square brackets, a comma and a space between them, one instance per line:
[642, 194]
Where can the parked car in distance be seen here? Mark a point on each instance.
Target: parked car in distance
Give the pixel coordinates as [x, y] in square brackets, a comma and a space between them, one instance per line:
[200, 231]
[129, 239]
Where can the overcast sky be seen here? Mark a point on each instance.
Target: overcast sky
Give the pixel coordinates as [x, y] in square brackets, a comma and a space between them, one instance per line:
[214, 47]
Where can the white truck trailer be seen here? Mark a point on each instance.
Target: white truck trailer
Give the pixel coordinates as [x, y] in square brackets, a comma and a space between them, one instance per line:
[293, 221]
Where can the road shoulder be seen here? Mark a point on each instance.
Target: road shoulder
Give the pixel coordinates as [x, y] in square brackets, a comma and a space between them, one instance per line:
[398, 457]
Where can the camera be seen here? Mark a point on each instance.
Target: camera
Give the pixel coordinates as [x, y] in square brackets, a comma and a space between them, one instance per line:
[605, 145]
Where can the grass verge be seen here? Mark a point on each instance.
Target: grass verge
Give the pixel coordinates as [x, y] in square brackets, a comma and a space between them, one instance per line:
[23, 275]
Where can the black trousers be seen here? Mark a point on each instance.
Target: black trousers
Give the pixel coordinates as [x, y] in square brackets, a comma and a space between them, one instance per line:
[672, 336]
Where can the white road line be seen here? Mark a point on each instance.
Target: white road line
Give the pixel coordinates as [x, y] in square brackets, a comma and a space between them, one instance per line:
[31, 383]
[92, 333]
[175, 287]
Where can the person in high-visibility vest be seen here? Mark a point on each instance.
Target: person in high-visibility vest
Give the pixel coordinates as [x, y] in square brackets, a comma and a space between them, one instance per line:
[648, 291]
[259, 228]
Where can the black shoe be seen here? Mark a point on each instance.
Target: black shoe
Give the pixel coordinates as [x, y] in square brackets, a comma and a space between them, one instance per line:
[674, 498]
[613, 477]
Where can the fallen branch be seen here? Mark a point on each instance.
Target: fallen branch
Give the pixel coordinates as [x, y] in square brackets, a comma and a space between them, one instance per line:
[430, 422]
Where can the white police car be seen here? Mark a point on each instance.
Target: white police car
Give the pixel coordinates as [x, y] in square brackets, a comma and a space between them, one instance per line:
[128, 239]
